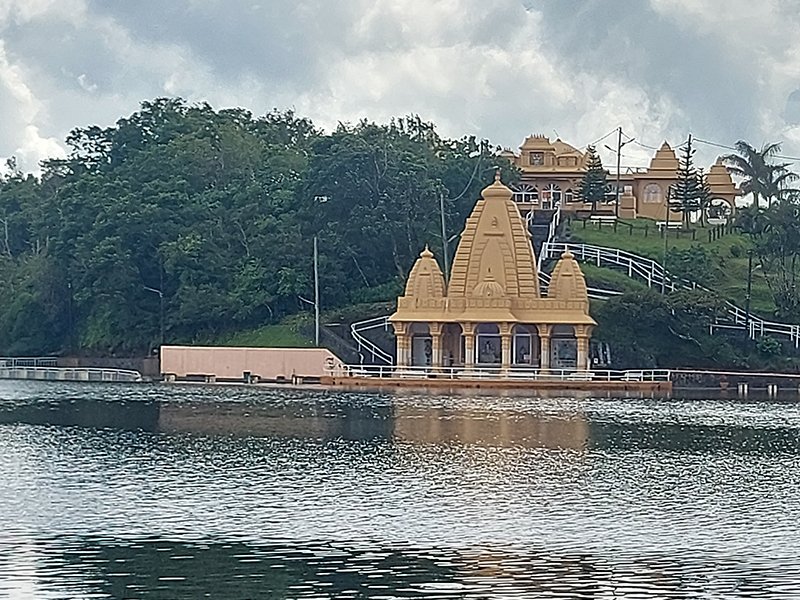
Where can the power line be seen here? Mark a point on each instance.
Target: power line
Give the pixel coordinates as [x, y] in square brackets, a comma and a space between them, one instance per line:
[717, 145]
[594, 143]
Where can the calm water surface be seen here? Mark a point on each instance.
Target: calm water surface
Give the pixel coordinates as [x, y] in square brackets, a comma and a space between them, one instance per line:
[113, 491]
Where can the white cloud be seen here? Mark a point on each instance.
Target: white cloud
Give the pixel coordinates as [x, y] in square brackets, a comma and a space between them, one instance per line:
[721, 68]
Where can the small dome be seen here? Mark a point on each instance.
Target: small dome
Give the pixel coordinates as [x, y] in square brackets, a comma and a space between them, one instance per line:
[489, 287]
[567, 281]
[426, 279]
[497, 191]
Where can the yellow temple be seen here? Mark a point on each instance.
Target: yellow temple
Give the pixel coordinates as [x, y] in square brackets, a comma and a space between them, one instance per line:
[491, 314]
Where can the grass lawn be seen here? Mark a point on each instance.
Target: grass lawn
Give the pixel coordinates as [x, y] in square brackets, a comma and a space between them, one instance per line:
[643, 238]
[268, 336]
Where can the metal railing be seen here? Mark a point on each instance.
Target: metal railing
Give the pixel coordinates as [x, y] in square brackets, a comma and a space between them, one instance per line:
[654, 274]
[377, 352]
[70, 374]
[495, 373]
[28, 361]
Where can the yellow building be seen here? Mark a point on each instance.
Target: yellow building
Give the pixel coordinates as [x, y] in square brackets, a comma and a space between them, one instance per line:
[552, 172]
[491, 313]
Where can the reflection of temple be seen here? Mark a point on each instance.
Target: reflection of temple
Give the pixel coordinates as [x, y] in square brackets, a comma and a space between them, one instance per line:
[491, 313]
[552, 172]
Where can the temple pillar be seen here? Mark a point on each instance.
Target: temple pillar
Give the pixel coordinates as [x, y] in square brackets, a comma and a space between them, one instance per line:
[582, 333]
[506, 343]
[468, 331]
[436, 345]
[403, 343]
[544, 352]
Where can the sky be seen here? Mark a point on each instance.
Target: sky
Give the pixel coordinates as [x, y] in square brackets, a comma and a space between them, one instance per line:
[722, 70]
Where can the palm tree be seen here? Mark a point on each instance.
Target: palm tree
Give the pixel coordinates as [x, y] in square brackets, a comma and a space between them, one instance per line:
[760, 176]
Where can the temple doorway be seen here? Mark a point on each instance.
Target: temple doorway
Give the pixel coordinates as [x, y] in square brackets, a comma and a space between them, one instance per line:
[563, 347]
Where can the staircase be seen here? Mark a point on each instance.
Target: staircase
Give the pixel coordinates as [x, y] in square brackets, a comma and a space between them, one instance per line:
[539, 225]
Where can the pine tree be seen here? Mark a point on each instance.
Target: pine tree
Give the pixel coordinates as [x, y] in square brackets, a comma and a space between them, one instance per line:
[688, 191]
[594, 185]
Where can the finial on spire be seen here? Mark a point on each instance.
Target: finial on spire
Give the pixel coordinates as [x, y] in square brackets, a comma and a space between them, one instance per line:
[497, 174]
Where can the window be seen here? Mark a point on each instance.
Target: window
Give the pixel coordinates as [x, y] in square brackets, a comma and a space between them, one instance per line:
[551, 193]
[653, 194]
[536, 158]
[569, 196]
[526, 193]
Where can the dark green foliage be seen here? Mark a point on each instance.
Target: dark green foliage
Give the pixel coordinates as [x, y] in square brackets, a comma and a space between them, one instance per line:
[594, 185]
[648, 330]
[768, 346]
[775, 233]
[695, 264]
[218, 210]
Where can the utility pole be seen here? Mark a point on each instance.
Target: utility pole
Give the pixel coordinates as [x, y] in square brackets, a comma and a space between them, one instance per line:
[444, 240]
[316, 294]
[666, 234]
[747, 297]
[620, 145]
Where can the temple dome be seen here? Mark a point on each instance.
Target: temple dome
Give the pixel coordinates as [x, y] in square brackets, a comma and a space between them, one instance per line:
[426, 279]
[489, 288]
[567, 281]
[495, 247]
[719, 180]
[664, 160]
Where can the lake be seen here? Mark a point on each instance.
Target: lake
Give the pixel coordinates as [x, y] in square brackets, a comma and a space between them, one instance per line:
[240, 492]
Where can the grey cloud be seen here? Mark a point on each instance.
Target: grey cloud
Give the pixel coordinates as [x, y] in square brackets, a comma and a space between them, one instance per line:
[273, 40]
[631, 42]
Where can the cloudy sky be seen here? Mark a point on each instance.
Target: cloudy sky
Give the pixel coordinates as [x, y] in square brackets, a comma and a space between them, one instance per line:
[722, 70]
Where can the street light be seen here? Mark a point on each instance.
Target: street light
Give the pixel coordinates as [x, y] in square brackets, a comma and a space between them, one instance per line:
[160, 312]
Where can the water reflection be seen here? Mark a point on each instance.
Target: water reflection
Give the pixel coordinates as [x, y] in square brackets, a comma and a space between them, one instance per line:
[165, 569]
[196, 491]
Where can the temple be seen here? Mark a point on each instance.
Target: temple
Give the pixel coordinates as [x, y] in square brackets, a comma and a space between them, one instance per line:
[551, 173]
[491, 314]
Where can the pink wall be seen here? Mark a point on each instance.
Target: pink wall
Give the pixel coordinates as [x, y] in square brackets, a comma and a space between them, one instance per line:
[230, 363]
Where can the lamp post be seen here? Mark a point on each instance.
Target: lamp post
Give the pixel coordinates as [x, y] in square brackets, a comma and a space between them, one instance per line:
[316, 294]
[160, 312]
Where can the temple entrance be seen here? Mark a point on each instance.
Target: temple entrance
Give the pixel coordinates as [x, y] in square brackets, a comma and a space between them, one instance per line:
[452, 345]
[488, 345]
[421, 345]
[526, 346]
[563, 347]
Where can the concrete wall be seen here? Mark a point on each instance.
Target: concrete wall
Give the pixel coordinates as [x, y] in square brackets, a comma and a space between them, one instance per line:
[232, 363]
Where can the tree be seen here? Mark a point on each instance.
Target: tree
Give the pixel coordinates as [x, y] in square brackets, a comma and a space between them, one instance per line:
[761, 177]
[594, 185]
[688, 191]
[775, 233]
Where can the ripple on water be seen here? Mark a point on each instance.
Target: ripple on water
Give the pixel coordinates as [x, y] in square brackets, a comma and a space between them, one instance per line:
[239, 492]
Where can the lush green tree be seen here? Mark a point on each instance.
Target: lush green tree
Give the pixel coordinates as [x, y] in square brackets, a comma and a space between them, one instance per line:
[760, 176]
[210, 216]
[594, 185]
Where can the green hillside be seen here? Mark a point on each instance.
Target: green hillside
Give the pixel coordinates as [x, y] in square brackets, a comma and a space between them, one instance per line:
[725, 273]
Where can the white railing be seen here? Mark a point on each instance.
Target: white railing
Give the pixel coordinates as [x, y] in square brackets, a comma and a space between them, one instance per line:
[657, 277]
[495, 373]
[356, 330]
[70, 374]
[28, 361]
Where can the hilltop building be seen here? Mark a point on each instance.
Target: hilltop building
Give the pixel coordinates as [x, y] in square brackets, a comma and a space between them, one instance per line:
[552, 172]
[491, 313]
